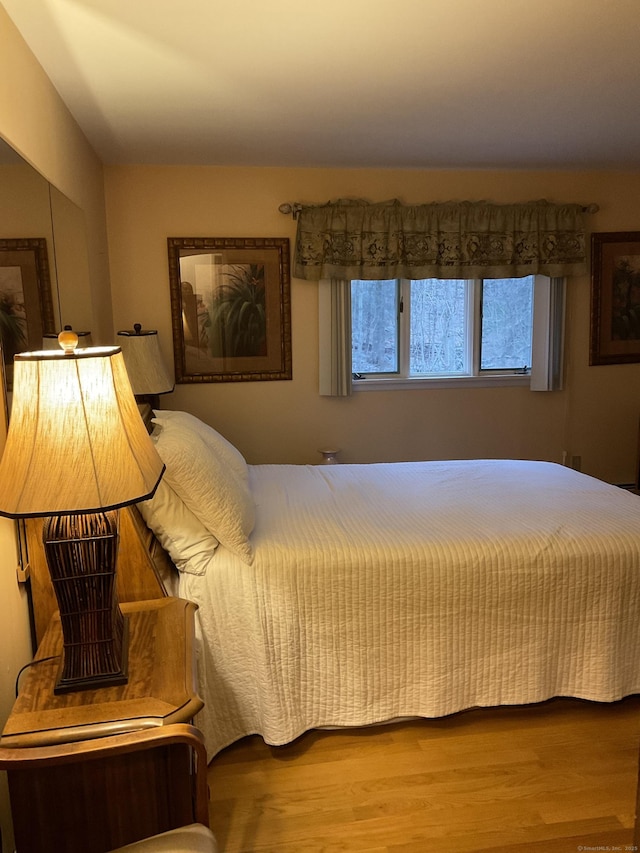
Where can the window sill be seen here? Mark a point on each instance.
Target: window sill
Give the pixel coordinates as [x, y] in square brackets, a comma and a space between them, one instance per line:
[398, 384]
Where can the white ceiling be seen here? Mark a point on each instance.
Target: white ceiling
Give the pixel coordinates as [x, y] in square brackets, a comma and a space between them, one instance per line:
[386, 83]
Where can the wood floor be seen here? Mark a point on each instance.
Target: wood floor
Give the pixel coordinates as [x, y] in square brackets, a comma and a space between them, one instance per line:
[557, 778]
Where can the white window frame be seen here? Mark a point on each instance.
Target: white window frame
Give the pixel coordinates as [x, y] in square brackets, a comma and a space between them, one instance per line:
[545, 372]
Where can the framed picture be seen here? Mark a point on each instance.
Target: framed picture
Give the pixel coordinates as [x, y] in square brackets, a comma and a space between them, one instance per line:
[615, 297]
[26, 303]
[230, 308]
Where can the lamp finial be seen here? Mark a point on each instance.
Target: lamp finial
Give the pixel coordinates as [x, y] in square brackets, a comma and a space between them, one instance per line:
[68, 340]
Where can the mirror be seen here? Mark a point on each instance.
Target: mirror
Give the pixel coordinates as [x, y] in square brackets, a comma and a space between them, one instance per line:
[71, 262]
[32, 208]
[25, 211]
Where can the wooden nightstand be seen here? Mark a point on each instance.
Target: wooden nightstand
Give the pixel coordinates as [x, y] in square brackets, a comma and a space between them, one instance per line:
[161, 691]
[161, 687]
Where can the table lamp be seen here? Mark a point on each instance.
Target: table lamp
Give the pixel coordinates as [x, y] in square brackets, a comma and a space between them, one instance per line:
[76, 451]
[142, 356]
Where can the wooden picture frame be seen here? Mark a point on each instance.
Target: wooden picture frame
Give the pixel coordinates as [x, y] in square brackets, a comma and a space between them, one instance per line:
[615, 298]
[26, 301]
[230, 308]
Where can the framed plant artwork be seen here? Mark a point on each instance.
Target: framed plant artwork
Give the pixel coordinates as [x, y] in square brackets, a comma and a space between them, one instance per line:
[26, 302]
[615, 297]
[230, 308]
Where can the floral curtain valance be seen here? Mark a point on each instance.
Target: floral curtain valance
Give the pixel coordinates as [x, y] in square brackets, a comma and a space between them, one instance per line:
[453, 240]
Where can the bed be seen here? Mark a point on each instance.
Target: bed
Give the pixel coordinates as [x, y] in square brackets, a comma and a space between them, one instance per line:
[350, 595]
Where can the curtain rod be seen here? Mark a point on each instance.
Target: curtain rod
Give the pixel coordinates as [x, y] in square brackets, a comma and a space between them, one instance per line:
[295, 208]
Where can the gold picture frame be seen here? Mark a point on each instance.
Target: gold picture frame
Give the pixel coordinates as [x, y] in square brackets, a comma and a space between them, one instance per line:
[26, 301]
[615, 297]
[230, 308]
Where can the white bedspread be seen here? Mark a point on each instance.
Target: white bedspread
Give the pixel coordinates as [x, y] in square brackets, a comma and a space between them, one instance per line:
[417, 589]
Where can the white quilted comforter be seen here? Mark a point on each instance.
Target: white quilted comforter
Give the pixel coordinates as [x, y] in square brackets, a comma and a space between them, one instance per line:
[417, 589]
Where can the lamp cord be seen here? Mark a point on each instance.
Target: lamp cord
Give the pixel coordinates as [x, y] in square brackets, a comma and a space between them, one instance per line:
[32, 663]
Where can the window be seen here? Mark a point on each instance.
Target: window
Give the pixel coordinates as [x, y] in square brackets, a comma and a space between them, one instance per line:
[441, 328]
[439, 332]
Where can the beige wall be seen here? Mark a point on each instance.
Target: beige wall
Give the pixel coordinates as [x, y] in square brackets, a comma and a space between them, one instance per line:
[34, 121]
[596, 417]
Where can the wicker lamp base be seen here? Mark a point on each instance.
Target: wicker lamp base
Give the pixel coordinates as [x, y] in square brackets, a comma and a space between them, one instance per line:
[81, 552]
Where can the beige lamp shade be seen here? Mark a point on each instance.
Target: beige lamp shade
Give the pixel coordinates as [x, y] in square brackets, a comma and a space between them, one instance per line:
[76, 441]
[143, 359]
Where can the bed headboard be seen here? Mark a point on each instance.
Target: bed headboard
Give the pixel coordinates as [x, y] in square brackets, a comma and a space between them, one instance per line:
[142, 565]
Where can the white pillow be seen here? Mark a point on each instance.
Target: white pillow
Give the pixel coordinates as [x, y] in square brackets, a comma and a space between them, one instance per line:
[209, 487]
[223, 448]
[183, 537]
